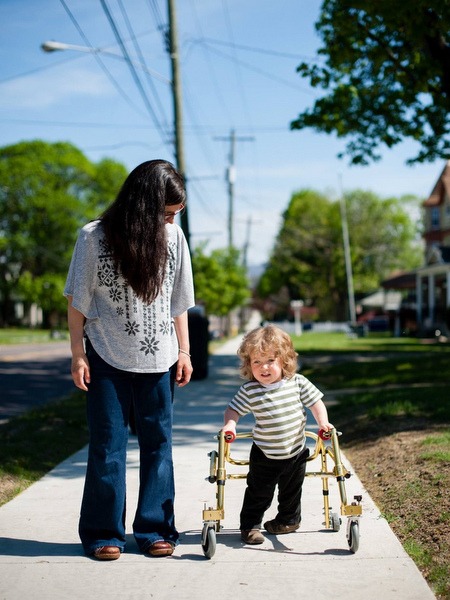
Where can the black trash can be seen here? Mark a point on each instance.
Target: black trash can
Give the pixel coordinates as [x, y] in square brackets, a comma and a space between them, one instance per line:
[199, 341]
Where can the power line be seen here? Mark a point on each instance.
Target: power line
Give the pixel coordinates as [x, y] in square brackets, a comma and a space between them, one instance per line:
[258, 50]
[213, 79]
[97, 58]
[142, 60]
[160, 22]
[271, 76]
[132, 69]
[204, 129]
[76, 124]
[241, 85]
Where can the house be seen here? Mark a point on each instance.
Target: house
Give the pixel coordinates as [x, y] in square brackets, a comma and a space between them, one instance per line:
[430, 284]
[433, 279]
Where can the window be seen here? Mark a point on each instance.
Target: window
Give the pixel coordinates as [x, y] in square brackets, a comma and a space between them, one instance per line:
[435, 221]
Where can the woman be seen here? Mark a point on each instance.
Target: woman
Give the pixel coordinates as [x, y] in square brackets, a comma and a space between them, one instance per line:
[129, 287]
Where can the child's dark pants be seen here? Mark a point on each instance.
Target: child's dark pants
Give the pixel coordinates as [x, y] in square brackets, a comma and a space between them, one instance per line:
[264, 474]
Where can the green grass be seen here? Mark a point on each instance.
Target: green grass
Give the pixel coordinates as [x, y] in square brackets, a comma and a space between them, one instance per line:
[394, 378]
[437, 448]
[28, 336]
[34, 443]
[368, 371]
[312, 341]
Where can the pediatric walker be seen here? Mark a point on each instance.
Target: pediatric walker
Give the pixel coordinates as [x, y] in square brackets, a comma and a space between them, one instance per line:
[326, 445]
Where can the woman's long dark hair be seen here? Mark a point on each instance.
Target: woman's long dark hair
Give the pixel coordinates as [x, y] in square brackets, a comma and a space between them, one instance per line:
[134, 225]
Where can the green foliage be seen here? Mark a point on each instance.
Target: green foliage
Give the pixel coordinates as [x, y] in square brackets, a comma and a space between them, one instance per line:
[45, 289]
[33, 444]
[308, 257]
[220, 280]
[385, 68]
[48, 191]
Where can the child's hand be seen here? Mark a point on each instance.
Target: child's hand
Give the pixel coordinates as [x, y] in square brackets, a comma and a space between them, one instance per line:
[229, 430]
[325, 426]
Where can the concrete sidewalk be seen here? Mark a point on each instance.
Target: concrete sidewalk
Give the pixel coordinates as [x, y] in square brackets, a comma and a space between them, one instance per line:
[40, 553]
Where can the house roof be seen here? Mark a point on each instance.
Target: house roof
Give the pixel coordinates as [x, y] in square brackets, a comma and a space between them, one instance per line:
[402, 281]
[387, 300]
[442, 186]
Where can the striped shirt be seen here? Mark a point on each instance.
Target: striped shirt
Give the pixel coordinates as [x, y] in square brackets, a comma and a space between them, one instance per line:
[279, 411]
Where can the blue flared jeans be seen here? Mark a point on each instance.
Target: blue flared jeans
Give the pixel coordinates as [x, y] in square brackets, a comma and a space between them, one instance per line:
[109, 397]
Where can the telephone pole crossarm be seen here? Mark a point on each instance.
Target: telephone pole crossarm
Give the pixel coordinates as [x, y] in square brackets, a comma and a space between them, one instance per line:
[231, 176]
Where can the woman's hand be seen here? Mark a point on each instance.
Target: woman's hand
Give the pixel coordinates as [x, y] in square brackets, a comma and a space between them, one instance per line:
[81, 373]
[184, 370]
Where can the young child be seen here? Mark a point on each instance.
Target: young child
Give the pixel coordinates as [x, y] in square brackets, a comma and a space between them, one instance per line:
[277, 396]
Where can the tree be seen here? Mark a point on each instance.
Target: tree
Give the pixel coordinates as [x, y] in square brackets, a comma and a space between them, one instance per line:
[387, 76]
[221, 284]
[308, 262]
[47, 192]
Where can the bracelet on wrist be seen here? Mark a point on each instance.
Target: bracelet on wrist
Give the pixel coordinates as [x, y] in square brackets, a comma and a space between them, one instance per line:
[184, 352]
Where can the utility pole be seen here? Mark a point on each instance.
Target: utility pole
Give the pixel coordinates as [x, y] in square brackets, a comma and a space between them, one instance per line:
[246, 243]
[348, 259]
[231, 178]
[177, 108]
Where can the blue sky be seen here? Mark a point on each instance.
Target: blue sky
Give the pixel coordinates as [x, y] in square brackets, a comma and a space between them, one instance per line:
[238, 62]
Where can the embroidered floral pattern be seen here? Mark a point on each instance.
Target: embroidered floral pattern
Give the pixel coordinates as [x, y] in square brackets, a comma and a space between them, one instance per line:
[149, 345]
[115, 294]
[132, 328]
[149, 324]
[106, 273]
[164, 328]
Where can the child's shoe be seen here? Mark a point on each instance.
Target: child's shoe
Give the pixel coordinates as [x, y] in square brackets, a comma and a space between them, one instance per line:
[252, 536]
[276, 528]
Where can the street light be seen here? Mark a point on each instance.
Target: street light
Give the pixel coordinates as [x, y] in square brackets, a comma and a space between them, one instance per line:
[52, 46]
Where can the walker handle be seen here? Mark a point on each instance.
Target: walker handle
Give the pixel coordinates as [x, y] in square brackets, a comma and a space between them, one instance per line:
[229, 436]
[324, 435]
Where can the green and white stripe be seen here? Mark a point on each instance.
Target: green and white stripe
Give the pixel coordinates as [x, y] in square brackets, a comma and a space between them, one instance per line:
[279, 411]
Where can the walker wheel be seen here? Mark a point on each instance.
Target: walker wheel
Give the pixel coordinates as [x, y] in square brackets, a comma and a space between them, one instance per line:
[335, 522]
[230, 436]
[208, 540]
[353, 536]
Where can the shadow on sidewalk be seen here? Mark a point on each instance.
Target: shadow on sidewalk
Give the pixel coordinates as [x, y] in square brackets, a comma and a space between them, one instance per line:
[22, 547]
[199, 407]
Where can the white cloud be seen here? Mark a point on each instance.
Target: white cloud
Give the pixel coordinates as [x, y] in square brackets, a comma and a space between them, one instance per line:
[43, 91]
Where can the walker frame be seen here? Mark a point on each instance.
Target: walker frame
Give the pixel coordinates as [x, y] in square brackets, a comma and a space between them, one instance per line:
[326, 446]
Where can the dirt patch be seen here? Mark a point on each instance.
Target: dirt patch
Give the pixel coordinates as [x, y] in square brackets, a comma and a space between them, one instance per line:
[409, 482]
[10, 486]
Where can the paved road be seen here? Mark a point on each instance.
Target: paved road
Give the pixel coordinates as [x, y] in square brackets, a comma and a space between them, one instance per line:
[32, 375]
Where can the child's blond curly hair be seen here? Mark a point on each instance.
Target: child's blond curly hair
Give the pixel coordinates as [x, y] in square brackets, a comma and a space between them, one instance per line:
[267, 340]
